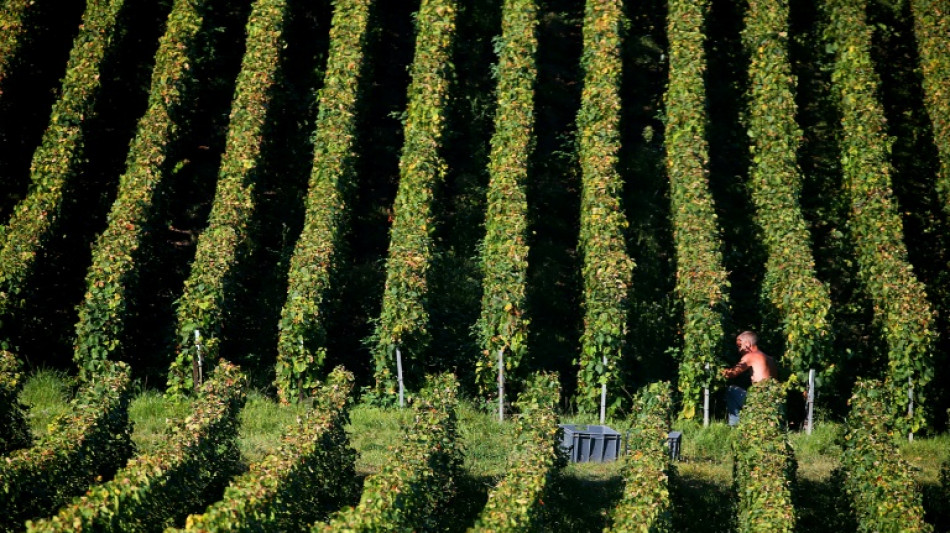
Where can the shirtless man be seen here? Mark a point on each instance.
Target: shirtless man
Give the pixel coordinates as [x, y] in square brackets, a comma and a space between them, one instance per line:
[763, 367]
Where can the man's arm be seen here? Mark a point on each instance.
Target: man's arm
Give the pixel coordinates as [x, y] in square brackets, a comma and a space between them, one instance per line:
[741, 366]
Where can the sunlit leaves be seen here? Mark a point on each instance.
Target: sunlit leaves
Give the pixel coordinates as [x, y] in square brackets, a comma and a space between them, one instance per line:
[56, 161]
[404, 320]
[883, 493]
[901, 309]
[607, 270]
[103, 312]
[790, 284]
[226, 241]
[301, 347]
[701, 280]
[503, 324]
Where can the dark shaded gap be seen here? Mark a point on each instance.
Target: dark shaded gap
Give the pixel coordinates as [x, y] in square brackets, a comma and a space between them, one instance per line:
[250, 333]
[937, 505]
[470, 498]
[915, 161]
[44, 331]
[554, 282]
[455, 276]
[858, 348]
[655, 312]
[185, 194]
[580, 501]
[744, 255]
[380, 135]
[823, 506]
[29, 91]
[701, 505]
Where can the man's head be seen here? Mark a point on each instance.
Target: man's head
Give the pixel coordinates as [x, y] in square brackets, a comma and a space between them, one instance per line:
[747, 341]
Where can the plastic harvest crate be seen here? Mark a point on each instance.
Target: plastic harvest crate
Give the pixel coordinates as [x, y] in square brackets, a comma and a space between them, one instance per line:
[590, 444]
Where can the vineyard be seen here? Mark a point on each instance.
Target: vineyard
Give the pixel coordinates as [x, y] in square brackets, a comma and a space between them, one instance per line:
[418, 235]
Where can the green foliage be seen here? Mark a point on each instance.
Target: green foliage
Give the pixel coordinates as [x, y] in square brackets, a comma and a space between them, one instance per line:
[56, 161]
[155, 490]
[404, 321]
[517, 501]
[901, 309]
[646, 505]
[14, 431]
[419, 478]
[103, 312]
[310, 475]
[931, 27]
[880, 484]
[89, 443]
[701, 280]
[14, 28]
[776, 187]
[502, 324]
[301, 346]
[764, 467]
[607, 269]
[210, 286]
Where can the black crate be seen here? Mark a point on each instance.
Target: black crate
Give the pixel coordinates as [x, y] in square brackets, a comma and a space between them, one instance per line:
[590, 444]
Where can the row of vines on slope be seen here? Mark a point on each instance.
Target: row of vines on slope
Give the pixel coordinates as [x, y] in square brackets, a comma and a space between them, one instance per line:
[310, 475]
[226, 241]
[301, 345]
[883, 493]
[502, 325]
[419, 478]
[607, 270]
[103, 313]
[56, 161]
[931, 27]
[14, 27]
[157, 490]
[901, 309]
[93, 440]
[764, 463]
[14, 431]
[516, 502]
[404, 321]
[776, 186]
[701, 280]
[646, 504]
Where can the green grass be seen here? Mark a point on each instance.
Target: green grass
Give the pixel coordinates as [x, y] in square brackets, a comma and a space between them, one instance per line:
[45, 394]
[582, 494]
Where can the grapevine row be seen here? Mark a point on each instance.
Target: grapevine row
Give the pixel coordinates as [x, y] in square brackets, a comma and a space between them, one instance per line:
[607, 270]
[92, 441]
[900, 305]
[103, 312]
[701, 279]
[883, 493]
[310, 475]
[516, 502]
[776, 187]
[56, 161]
[301, 345]
[502, 324]
[157, 490]
[225, 242]
[765, 466]
[417, 481]
[404, 320]
[931, 27]
[646, 504]
[14, 27]
[14, 431]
